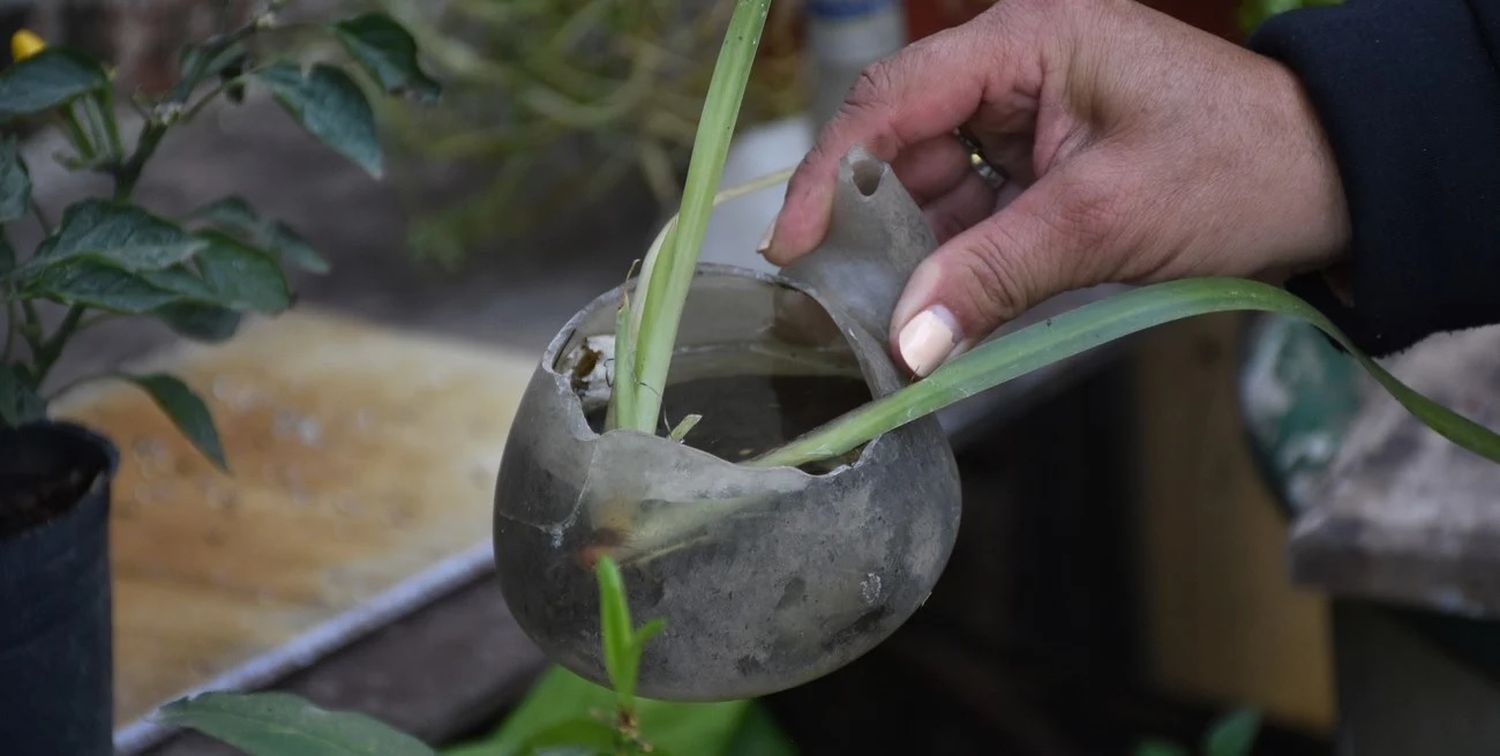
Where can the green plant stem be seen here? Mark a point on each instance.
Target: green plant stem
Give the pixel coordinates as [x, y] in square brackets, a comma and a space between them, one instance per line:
[672, 275]
[1089, 326]
[130, 172]
[53, 347]
[76, 134]
[111, 125]
[31, 329]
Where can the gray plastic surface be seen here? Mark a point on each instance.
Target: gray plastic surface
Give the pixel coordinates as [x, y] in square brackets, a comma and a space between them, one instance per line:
[767, 577]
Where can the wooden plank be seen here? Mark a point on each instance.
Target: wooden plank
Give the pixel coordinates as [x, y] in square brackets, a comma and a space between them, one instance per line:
[360, 457]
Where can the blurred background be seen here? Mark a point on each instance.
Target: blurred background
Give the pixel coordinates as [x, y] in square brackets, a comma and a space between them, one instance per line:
[1121, 573]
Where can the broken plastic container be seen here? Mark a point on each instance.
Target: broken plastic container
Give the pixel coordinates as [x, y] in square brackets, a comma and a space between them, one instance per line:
[766, 577]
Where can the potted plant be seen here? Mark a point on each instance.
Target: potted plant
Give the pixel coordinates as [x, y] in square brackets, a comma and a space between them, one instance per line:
[105, 257]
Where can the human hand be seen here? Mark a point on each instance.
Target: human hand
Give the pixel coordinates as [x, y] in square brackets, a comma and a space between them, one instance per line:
[1136, 148]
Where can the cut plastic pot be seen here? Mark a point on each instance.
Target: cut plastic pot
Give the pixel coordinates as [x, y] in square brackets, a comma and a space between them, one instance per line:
[766, 577]
[55, 676]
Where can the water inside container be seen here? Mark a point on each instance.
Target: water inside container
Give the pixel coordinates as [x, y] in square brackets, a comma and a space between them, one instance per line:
[755, 396]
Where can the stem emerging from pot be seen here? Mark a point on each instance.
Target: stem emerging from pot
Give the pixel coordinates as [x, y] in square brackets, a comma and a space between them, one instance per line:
[1092, 325]
[669, 276]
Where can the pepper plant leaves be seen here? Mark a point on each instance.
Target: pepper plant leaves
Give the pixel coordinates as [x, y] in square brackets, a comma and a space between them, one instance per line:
[242, 277]
[387, 51]
[46, 80]
[93, 281]
[234, 214]
[19, 402]
[210, 323]
[281, 724]
[330, 106]
[124, 235]
[186, 411]
[15, 181]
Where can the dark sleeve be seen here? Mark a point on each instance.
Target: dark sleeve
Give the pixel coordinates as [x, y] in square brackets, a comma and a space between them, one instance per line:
[1408, 92]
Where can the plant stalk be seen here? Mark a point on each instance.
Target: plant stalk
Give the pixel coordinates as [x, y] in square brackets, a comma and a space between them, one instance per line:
[1089, 326]
[671, 276]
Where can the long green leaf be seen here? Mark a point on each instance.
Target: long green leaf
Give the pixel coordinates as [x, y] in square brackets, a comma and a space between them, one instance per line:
[186, 411]
[281, 724]
[615, 629]
[671, 275]
[1089, 326]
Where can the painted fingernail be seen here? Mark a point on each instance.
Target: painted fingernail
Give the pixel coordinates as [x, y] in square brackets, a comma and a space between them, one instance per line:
[765, 241]
[928, 339]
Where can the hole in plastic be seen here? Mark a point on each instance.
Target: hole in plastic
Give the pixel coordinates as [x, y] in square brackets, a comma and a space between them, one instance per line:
[867, 175]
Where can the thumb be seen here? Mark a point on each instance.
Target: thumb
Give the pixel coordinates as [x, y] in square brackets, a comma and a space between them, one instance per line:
[1049, 240]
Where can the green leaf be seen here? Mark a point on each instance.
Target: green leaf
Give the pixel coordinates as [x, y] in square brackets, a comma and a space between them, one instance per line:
[1160, 748]
[234, 214]
[15, 181]
[1232, 735]
[240, 276]
[187, 412]
[94, 282]
[387, 51]
[201, 322]
[124, 235]
[1079, 330]
[759, 735]
[684, 427]
[669, 273]
[46, 80]
[330, 106]
[615, 629]
[575, 737]
[19, 402]
[686, 728]
[280, 724]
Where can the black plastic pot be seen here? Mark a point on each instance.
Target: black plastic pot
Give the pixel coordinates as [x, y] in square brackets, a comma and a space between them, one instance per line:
[55, 660]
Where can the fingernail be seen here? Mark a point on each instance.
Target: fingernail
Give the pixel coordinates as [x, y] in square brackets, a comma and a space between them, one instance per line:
[928, 339]
[765, 240]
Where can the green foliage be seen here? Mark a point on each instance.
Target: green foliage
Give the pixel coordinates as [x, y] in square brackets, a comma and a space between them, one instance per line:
[562, 702]
[551, 105]
[280, 724]
[563, 714]
[1231, 735]
[202, 274]
[330, 106]
[623, 643]
[388, 53]
[187, 412]
[1254, 12]
[47, 80]
[234, 215]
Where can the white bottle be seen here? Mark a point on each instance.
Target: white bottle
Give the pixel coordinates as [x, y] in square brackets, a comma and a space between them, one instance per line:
[843, 37]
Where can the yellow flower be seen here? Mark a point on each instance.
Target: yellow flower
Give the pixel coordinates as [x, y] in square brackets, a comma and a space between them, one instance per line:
[24, 44]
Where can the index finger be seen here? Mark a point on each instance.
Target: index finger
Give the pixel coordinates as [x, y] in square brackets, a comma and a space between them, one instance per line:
[926, 90]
